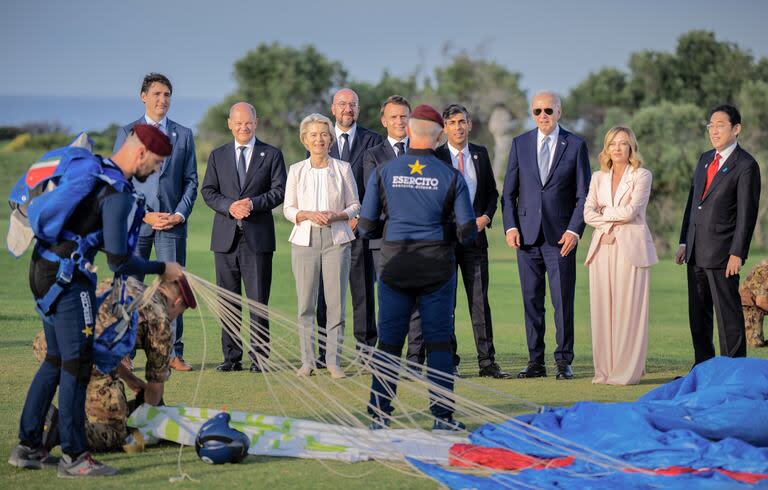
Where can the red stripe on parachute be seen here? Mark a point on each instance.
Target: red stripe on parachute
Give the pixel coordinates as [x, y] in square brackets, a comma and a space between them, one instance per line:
[39, 172]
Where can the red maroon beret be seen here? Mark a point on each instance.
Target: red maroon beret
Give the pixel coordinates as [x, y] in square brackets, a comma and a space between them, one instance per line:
[186, 291]
[155, 140]
[427, 113]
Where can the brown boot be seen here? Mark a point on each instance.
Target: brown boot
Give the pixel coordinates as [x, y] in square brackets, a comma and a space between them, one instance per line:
[179, 364]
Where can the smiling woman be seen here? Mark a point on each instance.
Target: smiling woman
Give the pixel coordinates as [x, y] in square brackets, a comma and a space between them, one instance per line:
[320, 199]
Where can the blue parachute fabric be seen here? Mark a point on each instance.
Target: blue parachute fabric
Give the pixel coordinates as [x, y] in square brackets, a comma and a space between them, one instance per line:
[117, 340]
[715, 417]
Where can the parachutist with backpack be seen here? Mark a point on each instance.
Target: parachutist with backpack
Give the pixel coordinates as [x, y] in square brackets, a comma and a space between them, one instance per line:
[93, 207]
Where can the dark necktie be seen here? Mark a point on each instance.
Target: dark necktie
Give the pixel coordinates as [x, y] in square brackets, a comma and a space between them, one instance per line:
[400, 147]
[345, 148]
[241, 170]
[711, 172]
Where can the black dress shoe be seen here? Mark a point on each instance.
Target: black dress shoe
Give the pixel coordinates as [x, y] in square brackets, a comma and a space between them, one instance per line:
[533, 370]
[493, 371]
[255, 368]
[564, 371]
[224, 367]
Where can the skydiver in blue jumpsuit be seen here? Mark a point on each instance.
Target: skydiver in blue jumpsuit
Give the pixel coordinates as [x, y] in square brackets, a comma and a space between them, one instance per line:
[69, 316]
[427, 207]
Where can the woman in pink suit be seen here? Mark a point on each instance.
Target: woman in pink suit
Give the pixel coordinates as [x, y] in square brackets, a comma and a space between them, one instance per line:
[619, 260]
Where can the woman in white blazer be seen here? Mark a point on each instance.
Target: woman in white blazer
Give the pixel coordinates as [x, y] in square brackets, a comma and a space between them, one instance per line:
[320, 199]
[619, 260]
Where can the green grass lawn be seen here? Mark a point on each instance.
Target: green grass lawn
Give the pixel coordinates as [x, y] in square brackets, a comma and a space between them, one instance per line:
[669, 354]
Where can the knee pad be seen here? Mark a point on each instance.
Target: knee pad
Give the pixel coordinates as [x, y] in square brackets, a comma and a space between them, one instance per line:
[395, 350]
[437, 347]
[55, 361]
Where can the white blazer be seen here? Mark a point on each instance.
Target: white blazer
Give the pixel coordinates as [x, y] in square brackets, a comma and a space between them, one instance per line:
[342, 197]
[623, 215]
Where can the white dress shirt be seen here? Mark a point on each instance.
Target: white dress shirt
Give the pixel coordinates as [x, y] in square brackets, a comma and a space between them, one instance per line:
[727, 152]
[552, 144]
[470, 176]
[163, 123]
[339, 141]
[393, 142]
[248, 152]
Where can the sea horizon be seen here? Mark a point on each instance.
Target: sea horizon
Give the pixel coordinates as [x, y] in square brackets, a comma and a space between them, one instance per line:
[93, 113]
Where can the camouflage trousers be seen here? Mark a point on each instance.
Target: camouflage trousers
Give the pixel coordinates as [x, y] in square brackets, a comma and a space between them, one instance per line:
[106, 411]
[753, 321]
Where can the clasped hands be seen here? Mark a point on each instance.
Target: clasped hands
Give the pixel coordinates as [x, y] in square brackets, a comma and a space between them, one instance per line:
[162, 221]
[322, 218]
[241, 209]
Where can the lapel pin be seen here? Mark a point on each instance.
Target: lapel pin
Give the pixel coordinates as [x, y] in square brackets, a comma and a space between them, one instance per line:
[174, 134]
[725, 169]
[261, 154]
[474, 156]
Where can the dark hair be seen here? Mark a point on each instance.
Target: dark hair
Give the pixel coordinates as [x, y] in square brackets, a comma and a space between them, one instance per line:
[395, 99]
[454, 109]
[155, 77]
[733, 113]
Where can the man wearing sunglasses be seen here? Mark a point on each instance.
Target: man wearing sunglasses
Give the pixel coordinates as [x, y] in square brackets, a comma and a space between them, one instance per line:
[543, 209]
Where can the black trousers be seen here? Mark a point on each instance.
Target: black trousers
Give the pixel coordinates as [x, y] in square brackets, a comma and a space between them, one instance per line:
[241, 266]
[473, 263]
[361, 285]
[708, 289]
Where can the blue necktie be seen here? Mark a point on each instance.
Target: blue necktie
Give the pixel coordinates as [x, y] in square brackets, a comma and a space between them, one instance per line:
[544, 160]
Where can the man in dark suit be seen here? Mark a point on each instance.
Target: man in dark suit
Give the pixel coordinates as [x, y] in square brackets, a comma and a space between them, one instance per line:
[350, 144]
[395, 112]
[170, 193]
[244, 182]
[545, 188]
[473, 163]
[719, 219]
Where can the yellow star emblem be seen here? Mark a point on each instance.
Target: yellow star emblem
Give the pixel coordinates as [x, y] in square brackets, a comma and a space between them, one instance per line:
[416, 168]
[87, 331]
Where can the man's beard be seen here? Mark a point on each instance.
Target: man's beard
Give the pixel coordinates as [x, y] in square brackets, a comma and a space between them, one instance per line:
[141, 178]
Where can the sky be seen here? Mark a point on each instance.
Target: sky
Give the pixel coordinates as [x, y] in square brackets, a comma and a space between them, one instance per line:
[103, 48]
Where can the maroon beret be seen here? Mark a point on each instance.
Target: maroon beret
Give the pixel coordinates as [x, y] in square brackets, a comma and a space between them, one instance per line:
[186, 292]
[155, 140]
[427, 113]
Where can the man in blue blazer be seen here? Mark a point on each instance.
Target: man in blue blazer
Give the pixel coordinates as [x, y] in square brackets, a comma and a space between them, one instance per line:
[243, 183]
[545, 188]
[170, 193]
[352, 140]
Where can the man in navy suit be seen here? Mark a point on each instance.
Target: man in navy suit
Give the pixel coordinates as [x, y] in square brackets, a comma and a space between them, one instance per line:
[718, 223]
[351, 143]
[474, 164]
[545, 188]
[170, 193]
[243, 183]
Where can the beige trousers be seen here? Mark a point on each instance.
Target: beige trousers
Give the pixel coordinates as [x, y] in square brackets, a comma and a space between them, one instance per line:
[618, 303]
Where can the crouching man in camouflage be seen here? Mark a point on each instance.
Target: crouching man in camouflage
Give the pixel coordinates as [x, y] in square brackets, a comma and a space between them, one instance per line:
[106, 406]
[754, 302]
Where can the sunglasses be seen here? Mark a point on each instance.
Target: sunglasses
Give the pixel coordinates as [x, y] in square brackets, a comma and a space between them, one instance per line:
[548, 111]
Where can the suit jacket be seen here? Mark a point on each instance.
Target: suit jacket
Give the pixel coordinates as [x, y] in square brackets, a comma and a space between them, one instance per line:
[264, 185]
[342, 197]
[720, 224]
[174, 188]
[557, 204]
[623, 215]
[364, 139]
[374, 158]
[486, 195]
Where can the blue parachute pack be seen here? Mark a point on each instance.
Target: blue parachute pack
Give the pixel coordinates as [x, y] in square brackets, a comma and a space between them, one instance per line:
[43, 200]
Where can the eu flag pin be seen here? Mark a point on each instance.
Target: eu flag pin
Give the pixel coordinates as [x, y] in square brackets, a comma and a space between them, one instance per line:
[261, 154]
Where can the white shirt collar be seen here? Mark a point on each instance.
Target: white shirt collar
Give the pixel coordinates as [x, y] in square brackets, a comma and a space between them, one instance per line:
[163, 122]
[455, 152]
[726, 153]
[393, 141]
[553, 136]
[249, 145]
[352, 131]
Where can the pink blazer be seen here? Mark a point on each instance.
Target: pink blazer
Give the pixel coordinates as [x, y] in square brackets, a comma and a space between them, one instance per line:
[623, 216]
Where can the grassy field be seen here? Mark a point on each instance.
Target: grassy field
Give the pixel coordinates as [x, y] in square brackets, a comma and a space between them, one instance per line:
[669, 354]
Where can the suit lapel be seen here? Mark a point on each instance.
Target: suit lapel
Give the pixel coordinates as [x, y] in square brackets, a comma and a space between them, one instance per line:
[389, 152]
[334, 150]
[257, 158]
[562, 144]
[727, 166]
[172, 136]
[534, 143]
[623, 187]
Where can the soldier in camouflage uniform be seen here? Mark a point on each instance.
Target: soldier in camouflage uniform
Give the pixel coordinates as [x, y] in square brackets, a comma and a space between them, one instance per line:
[106, 406]
[754, 302]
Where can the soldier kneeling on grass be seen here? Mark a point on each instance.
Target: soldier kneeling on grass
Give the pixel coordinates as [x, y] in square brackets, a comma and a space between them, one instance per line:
[106, 406]
[754, 303]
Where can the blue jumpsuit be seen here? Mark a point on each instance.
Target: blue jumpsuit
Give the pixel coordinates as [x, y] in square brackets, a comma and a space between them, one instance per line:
[69, 325]
[427, 207]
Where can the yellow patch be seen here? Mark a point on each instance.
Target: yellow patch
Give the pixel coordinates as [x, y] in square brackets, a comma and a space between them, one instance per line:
[416, 168]
[87, 331]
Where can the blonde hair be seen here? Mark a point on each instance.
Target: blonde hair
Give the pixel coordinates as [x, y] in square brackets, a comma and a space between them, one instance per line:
[312, 119]
[635, 159]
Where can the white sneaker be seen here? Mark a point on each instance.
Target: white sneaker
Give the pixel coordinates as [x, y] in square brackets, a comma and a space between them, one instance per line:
[304, 371]
[336, 372]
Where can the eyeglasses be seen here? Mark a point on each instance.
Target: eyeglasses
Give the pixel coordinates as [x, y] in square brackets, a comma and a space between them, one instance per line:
[718, 126]
[351, 105]
[548, 111]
